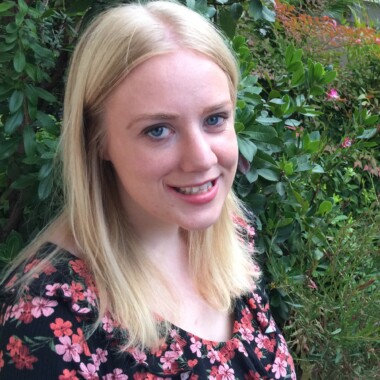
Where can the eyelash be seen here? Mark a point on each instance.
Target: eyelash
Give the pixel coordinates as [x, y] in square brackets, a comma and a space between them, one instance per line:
[224, 117]
[153, 128]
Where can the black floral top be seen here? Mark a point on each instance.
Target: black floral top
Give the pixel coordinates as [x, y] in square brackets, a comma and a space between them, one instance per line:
[43, 335]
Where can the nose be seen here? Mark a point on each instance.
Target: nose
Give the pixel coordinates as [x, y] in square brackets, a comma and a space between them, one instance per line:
[197, 153]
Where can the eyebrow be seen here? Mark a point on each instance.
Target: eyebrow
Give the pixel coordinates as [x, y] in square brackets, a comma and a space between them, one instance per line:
[173, 116]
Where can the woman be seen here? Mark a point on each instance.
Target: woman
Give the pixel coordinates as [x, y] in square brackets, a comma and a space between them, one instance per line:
[147, 273]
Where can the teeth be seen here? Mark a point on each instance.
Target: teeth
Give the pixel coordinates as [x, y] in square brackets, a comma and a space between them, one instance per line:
[195, 190]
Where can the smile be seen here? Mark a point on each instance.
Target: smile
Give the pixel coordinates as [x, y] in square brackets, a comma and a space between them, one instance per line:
[195, 189]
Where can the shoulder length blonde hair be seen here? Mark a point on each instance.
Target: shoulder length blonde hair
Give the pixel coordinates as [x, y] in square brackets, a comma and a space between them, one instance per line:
[116, 42]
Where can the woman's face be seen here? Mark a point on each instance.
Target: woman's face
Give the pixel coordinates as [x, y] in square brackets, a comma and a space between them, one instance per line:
[170, 137]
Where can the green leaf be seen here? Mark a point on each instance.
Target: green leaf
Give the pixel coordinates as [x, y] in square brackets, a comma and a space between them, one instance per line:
[41, 51]
[369, 120]
[284, 222]
[337, 331]
[7, 148]
[14, 244]
[318, 169]
[318, 71]
[24, 181]
[289, 55]
[19, 61]
[317, 90]
[45, 170]
[236, 11]
[261, 133]
[368, 133]
[31, 71]
[329, 77]
[268, 174]
[247, 148]
[267, 120]
[239, 127]
[301, 163]
[43, 94]
[295, 66]
[293, 122]
[325, 207]
[252, 175]
[255, 9]
[13, 122]
[288, 168]
[6, 6]
[298, 77]
[29, 141]
[277, 101]
[227, 22]
[268, 14]
[317, 255]
[16, 101]
[23, 6]
[297, 55]
[6, 47]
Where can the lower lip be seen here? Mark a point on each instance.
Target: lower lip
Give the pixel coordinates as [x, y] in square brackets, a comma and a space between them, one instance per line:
[198, 199]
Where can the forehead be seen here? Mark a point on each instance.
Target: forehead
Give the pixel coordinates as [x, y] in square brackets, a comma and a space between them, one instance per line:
[171, 77]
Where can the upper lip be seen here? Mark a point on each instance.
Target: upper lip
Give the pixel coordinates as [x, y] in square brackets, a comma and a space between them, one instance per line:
[212, 180]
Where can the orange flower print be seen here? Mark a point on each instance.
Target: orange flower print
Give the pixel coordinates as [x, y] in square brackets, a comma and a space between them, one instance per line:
[14, 346]
[68, 375]
[61, 328]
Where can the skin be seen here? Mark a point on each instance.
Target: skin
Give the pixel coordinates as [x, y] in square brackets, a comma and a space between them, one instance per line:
[169, 130]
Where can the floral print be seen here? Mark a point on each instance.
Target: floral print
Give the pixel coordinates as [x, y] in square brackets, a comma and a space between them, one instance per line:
[46, 334]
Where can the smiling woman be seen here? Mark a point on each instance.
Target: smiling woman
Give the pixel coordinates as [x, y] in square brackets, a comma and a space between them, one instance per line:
[148, 272]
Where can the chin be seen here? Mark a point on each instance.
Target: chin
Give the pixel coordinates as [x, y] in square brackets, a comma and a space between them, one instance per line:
[199, 225]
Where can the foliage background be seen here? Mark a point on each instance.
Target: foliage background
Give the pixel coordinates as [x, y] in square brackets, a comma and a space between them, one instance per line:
[309, 133]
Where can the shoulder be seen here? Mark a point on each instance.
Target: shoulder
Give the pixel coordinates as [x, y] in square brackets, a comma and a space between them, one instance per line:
[43, 329]
[53, 278]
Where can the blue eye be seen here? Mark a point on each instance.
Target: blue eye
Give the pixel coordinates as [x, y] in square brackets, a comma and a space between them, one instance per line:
[215, 120]
[159, 132]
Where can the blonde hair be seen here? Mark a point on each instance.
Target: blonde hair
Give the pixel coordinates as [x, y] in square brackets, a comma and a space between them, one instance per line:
[116, 42]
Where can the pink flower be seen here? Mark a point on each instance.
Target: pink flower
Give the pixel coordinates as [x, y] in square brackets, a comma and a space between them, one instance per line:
[358, 41]
[88, 372]
[52, 289]
[90, 296]
[70, 351]
[108, 324]
[196, 347]
[99, 357]
[226, 372]
[139, 356]
[17, 310]
[80, 310]
[117, 374]
[377, 40]
[262, 318]
[246, 334]
[42, 306]
[260, 340]
[312, 284]
[347, 142]
[167, 360]
[213, 356]
[279, 368]
[332, 94]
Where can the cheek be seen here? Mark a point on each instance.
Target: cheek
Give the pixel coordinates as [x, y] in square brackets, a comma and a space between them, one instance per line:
[229, 152]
